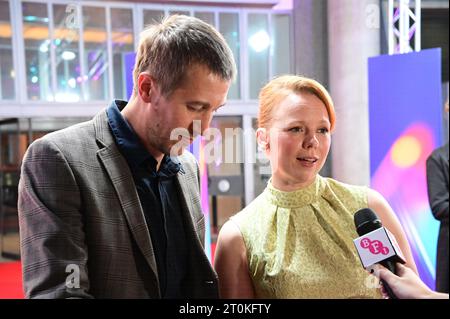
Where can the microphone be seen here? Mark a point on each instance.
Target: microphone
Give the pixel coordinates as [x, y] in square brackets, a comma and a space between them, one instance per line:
[376, 244]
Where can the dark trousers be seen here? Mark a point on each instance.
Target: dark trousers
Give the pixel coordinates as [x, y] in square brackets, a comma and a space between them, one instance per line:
[442, 271]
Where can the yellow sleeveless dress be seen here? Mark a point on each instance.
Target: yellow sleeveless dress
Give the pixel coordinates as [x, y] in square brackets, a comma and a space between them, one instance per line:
[300, 244]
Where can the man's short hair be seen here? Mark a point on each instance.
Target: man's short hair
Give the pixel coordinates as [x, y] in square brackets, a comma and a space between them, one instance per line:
[166, 51]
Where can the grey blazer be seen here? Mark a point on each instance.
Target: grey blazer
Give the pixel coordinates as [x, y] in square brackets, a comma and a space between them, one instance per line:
[82, 229]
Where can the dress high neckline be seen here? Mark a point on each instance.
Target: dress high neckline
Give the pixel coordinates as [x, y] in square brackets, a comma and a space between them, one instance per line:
[298, 198]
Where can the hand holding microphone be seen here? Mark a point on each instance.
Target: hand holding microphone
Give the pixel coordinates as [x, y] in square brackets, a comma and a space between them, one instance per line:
[376, 244]
[406, 284]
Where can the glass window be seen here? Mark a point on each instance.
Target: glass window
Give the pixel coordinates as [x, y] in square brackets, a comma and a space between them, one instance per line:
[258, 52]
[66, 37]
[7, 72]
[181, 12]
[281, 54]
[224, 155]
[37, 51]
[229, 146]
[153, 16]
[122, 44]
[95, 53]
[13, 146]
[229, 27]
[208, 17]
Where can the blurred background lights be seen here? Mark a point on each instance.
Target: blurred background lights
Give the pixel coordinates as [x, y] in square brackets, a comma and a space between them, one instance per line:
[35, 19]
[44, 46]
[260, 41]
[72, 83]
[68, 55]
[406, 151]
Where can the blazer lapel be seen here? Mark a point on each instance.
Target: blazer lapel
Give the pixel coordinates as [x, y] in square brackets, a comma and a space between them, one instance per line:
[205, 276]
[186, 205]
[194, 234]
[122, 180]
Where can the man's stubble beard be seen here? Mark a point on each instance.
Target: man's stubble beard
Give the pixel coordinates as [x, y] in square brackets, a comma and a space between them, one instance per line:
[156, 141]
[163, 144]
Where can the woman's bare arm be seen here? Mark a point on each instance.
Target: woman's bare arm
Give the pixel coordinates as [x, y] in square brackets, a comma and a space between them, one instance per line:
[230, 263]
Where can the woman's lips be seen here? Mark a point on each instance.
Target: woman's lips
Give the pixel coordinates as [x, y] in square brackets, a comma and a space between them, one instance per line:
[307, 161]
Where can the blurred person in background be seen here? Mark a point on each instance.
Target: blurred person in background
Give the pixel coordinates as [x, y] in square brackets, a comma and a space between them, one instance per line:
[438, 188]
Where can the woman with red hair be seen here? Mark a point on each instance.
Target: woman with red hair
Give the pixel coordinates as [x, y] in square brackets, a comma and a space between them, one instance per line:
[295, 240]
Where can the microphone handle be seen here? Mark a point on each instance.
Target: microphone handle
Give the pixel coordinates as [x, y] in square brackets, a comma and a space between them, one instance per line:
[392, 268]
[389, 265]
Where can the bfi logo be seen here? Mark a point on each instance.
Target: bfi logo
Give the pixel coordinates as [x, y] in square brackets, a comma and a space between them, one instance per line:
[377, 246]
[374, 246]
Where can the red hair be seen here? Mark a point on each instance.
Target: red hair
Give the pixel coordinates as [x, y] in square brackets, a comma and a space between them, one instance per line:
[279, 88]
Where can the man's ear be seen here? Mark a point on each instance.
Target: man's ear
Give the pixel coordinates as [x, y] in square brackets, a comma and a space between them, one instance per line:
[262, 138]
[145, 86]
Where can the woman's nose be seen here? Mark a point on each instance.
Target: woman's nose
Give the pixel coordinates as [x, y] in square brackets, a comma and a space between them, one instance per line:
[311, 141]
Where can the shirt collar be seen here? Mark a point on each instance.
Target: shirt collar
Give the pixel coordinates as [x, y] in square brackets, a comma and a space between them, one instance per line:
[131, 147]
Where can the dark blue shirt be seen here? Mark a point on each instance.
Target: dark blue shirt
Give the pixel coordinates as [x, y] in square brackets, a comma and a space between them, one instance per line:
[159, 196]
